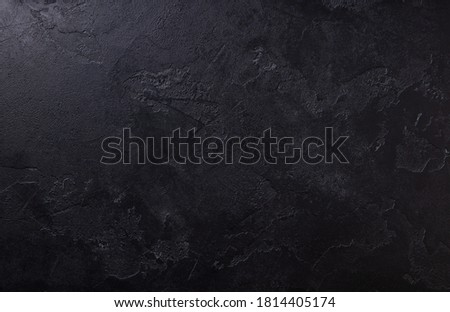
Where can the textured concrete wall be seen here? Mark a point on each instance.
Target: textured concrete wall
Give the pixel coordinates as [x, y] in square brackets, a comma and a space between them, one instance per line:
[73, 72]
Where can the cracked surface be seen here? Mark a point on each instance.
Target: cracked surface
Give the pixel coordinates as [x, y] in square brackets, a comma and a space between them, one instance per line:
[74, 72]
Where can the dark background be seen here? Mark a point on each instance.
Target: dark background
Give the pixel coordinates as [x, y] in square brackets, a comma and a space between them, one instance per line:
[74, 72]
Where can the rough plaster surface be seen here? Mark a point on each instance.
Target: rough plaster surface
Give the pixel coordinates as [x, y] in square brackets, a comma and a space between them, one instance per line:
[73, 72]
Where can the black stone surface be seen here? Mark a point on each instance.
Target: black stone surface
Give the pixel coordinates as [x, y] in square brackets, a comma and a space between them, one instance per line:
[73, 72]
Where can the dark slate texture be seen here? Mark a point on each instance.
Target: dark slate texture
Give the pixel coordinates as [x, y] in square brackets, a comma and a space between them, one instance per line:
[73, 72]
